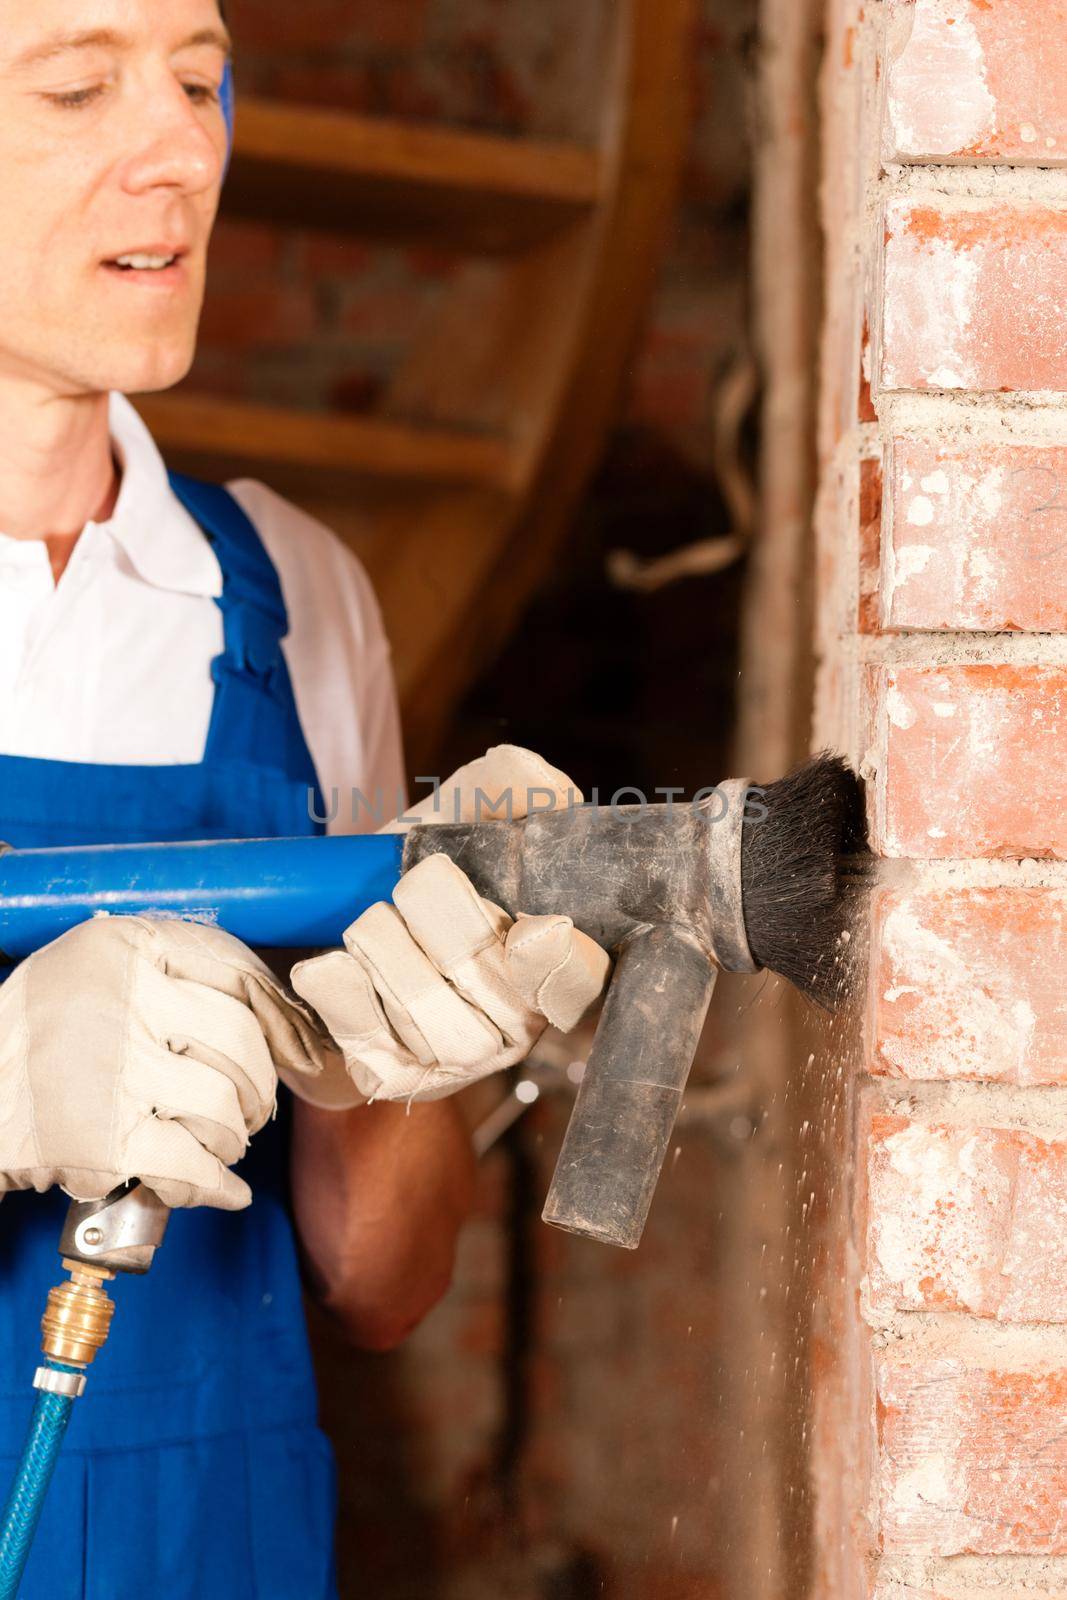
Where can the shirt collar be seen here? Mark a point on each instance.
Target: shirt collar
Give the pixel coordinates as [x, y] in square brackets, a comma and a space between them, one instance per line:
[162, 542]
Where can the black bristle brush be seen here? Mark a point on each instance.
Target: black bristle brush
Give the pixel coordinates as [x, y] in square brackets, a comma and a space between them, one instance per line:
[802, 874]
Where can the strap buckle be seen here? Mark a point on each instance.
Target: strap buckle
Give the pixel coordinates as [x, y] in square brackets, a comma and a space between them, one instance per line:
[253, 642]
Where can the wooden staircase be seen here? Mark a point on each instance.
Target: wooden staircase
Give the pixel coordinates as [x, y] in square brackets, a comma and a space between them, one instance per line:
[457, 493]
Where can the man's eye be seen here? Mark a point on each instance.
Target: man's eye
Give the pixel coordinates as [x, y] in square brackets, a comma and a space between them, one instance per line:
[76, 97]
[202, 92]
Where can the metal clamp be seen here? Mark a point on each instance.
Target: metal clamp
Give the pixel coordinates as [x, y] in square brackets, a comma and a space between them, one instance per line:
[725, 835]
[52, 1381]
[122, 1231]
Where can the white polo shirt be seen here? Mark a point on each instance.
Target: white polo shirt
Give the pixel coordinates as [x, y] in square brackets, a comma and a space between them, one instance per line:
[113, 664]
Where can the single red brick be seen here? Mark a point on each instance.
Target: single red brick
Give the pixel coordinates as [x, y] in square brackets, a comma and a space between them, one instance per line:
[432, 261]
[966, 78]
[326, 255]
[964, 1219]
[973, 1461]
[383, 311]
[969, 761]
[870, 546]
[216, 373]
[973, 296]
[970, 983]
[247, 318]
[977, 537]
[238, 246]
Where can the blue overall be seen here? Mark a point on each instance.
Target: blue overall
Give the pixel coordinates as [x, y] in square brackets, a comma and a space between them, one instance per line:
[194, 1467]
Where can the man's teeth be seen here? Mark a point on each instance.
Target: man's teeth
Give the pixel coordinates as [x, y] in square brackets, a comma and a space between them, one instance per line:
[144, 263]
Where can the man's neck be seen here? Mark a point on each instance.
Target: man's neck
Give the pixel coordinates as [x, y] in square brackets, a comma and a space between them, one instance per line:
[56, 467]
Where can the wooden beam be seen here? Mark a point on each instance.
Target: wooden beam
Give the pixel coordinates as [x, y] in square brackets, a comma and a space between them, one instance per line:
[599, 294]
[392, 180]
[237, 432]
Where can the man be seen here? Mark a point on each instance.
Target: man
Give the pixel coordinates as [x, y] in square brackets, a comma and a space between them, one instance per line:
[176, 662]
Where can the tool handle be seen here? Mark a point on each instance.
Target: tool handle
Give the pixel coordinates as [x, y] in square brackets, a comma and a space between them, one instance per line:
[624, 1115]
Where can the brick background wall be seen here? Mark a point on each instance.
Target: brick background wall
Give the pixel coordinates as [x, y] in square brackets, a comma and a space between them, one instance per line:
[314, 320]
[943, 565]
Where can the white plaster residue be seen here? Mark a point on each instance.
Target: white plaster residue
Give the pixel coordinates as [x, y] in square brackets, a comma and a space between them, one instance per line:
[932, 1484]
[1028, 133]
[980, 566]
[967, 1159]
[931, 286]
[935, 482]
[936, 833]
[935, 1206]
[908, 561]
[944, 48]
[942, 708]
[1035, 1276]
[988, 492]
[963, 1025]
[986, 730]
[1025, 1020]
[920, 511]
[901, 713]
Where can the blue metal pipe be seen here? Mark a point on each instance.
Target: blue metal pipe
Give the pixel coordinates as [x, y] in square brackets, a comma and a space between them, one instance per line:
[270, 893]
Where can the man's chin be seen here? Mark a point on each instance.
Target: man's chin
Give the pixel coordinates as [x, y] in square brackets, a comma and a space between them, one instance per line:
[148, 368]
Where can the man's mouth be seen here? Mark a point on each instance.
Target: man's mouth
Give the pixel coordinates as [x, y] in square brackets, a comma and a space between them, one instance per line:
[145, 263]
[158, 265]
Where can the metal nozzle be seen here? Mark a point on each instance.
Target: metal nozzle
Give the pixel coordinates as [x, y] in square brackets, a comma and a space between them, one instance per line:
[121, 1232]
[77, 1320]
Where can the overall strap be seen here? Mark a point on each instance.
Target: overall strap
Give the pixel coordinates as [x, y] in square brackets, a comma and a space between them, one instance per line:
[254, 719]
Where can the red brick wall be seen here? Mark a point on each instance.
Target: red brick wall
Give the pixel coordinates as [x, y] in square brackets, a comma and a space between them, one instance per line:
[318, 321]
[943, 564]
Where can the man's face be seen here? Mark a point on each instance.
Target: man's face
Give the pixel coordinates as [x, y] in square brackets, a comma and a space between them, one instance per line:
[111, 147]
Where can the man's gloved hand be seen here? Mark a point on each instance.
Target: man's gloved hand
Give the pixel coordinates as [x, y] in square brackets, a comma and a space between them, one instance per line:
[136, 1047]
[442, 987]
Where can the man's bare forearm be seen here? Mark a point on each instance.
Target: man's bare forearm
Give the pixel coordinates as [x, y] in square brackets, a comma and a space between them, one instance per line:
[380, 1194]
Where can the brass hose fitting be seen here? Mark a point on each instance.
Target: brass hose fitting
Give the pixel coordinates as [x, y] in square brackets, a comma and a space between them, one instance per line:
[78, 1317]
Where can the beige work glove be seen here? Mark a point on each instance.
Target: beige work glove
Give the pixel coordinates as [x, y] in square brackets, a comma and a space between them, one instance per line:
[442, 988]
[136, 1047]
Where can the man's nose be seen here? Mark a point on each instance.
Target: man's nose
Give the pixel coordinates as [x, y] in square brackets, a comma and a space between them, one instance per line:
[172, 148]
